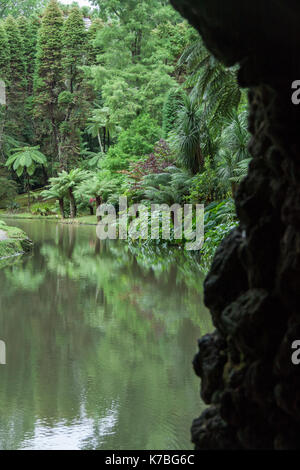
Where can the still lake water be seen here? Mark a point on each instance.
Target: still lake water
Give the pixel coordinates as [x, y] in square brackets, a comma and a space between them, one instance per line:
[100, 341]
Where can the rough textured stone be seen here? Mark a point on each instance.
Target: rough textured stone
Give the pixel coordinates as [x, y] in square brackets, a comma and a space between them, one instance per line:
[209, 364]
[210, 432]
[253, 288]
[13, 241]
[226, 266]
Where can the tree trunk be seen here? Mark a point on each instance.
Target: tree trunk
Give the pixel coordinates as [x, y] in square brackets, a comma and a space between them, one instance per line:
[98, 202]
[91, 210]
[2, 123]
[45, 175]
[200, 159]
[28, 193]
[62, 208]
[73, 208]
[54, 131]
[63, 166]
[100, 143]
[233, 188]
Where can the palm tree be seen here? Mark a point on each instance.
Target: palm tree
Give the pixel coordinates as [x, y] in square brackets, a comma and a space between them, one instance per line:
[212, 84]
[234, 157]
[187, 137]
[54, 191]
[101, 121]
[94, 128]
[95, 160]
[100, 187]
[26, 159]
[65, 183]
[235, 136]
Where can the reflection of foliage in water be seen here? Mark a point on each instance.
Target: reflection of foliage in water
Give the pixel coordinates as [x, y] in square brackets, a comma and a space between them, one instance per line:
[149, 282]
[103, 330]
[24, 279]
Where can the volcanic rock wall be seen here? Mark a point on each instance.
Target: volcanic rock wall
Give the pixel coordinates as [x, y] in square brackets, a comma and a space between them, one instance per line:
[253, 288]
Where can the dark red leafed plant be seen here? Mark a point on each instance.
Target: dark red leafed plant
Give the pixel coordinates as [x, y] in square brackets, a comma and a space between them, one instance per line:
[160, 159]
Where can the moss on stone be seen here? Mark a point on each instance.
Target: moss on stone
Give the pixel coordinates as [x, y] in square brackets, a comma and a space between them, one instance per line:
[16, 242]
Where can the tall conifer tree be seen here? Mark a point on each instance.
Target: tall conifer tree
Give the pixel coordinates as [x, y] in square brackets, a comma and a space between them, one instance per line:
[29, 29]
[49, 75]
[16, 90]
[17, 60]
[4, 76]
[4, 56]
[94, 50]
[74, 38]
[74, 100]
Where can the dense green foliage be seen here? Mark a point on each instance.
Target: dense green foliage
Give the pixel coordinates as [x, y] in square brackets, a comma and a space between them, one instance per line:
[4, 55]
[48, 79]
[174, 100]
[25, 160]
[20, 7]
[119, 99]
[122, 100]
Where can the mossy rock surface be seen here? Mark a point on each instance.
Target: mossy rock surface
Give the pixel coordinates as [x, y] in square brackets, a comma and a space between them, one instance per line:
[13, 241]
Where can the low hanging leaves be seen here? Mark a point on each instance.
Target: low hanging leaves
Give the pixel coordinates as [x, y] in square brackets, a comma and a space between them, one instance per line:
[26, 159]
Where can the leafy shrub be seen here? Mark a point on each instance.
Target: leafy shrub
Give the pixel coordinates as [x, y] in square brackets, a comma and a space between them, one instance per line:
[138, 140]
[104, 184]
[169, 187]
[218, 213]
[13, 207]
[156, 217]
[42, 209]
[207, 187]
[220, 219]
[241, 170]
[157, 162]
[8, 187]
[162, 151]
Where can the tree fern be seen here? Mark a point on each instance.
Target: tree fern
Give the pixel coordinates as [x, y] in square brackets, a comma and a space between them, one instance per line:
[212, 83]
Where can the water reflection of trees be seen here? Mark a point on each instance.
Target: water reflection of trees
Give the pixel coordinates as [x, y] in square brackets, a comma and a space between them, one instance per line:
[94, 333]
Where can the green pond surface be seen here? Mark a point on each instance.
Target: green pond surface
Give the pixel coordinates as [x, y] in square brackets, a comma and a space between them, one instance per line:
[99, 339]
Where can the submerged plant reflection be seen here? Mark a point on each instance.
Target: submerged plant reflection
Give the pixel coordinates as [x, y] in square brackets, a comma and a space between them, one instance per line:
[103, 344]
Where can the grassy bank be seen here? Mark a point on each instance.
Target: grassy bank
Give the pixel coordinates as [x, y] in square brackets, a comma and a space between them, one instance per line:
[22, 211]
[82, 220]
